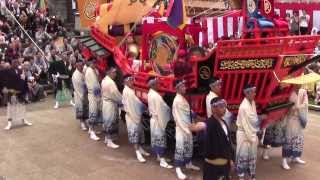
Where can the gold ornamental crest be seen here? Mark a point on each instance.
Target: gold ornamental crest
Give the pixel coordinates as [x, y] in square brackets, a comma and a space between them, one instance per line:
[267, 6]
[251, 6]
[90, 8]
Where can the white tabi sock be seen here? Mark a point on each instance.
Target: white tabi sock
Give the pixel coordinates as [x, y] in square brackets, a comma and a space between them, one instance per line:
[180, 174]
[140, 157]
[111, 144]
[299, 160]
[56, 106]
[285, 164]
[143, 152]
[9, 125]
[83, 126]
[72, 103]
[93, 136]
[265, 154]
[164, 164]
[26, 122]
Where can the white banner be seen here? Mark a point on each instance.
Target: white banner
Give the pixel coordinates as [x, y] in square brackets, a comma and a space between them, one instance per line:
[230, 26]
[316, 19]
[220, 27]
[240, 25]
[210, 29]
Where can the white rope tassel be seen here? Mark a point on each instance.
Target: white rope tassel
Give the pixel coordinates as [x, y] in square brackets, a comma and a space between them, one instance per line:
[275, 75]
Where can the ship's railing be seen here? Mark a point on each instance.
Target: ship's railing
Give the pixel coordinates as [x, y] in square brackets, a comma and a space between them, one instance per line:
[262, 72]
[267, 46]
[265, 83]
[234, 82]
[261, 62]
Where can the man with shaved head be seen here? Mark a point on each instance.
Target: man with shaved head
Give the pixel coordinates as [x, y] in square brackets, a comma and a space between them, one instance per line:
[247, 139]
[111, 100]
[184, 140]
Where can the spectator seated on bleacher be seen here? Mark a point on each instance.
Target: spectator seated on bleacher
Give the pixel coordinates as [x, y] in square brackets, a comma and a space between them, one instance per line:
[35, 90]
[41, 36]
[66, 47]
[30, 51]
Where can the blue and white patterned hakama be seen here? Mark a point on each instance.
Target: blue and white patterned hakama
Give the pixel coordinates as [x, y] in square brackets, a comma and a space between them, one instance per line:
[82, 108]
[293, 130]
[134, 109]
[293, 147]
[94, 110]
[184, 148]
[135, 133]
[246, 155]
[110, 114]
[294, 138]
[158, 142]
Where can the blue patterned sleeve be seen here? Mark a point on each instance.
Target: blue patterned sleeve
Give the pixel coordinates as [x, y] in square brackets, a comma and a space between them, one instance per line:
[97, 91]
[84, 87]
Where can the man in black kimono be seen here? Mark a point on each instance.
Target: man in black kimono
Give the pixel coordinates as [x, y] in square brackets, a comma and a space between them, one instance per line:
[218, 150]
[60, 74]
[14, 82]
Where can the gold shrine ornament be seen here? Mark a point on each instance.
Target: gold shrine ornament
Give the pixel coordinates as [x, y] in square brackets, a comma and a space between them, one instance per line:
[267, 6]
[90, 8]
[251, 6]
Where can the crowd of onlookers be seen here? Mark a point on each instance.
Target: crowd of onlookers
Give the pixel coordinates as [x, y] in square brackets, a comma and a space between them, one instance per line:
[51, 41]
[299, 23]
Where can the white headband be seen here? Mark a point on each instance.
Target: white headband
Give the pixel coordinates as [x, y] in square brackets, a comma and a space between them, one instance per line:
[249, 89]
[129, 78]
[180, 83]
[152, 82]
[216, 82]
[219, 103]
[112, 70]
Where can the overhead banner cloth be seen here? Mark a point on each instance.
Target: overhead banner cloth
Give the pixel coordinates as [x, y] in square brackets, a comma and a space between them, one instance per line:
[303, 79]
[123, 12]
[87, 11]
[176, 13]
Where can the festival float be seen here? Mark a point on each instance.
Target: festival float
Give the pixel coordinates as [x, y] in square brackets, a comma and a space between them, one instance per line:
[149, 38]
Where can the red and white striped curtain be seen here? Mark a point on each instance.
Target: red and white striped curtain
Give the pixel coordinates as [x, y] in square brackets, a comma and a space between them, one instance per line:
[231, 23]
[218, 27]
